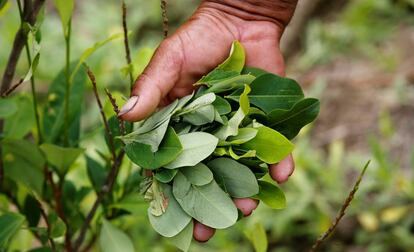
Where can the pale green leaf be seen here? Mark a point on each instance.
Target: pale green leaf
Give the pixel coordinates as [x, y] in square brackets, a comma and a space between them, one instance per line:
[235, 61]
[23, 121]
[197, 146]
[197, 175]
[113, 239]
[184, 238]
[155, 195]
[257, 236]
[243, 135]
[7, 107]
[222, 105]
[174, 220]
[200, 116]
[165, 175]
[235, 178]
[65, 9]
[244, 154]
[207, 204]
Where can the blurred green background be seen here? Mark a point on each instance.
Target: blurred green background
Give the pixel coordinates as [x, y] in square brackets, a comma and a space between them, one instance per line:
[356, 56]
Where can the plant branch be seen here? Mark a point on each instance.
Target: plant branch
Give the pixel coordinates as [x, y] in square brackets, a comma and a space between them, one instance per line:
[164, 17]
[112, 175]
[44, 216]
[32, 80]
[30, 13]
[116, 110]
[126, 44]
[108, 131]
[341, 213]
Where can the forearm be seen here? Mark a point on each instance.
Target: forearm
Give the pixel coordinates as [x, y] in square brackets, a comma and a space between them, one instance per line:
[276, 11]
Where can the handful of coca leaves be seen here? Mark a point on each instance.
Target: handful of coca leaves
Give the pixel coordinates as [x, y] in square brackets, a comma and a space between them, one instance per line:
[215, 144]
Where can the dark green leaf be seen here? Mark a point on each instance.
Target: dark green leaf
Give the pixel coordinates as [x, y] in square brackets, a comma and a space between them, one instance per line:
[169, 149]
[256, 72]
[57, 226]
[31, 210]
[165, 175]
[22, 122]
[53, 120]
[113, 123]
[96, 173]
[24, 163]
[10, 223]
[7, 107]
[235, 178]
[113, 239]
[270, 92]
[289, 122]
[174, 220]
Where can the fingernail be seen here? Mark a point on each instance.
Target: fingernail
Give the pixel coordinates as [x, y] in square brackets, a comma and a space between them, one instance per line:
[129, 105]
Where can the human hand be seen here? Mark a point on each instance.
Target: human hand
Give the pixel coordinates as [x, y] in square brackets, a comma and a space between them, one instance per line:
[200, 45]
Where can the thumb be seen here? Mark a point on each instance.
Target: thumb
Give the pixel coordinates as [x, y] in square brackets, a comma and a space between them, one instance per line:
[155, 82]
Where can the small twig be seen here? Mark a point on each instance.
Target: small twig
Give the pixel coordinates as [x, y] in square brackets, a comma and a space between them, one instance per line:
[30, 14]
[126, 44]
[164, 17]
[341, 213]
[106, 188]
[116, 110]
[12, 88]
[44, 216]
[111, 177]
[90, 244]
[57, 194]
[101, 110]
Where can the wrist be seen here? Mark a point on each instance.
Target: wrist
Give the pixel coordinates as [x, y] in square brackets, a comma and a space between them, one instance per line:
[276, 11]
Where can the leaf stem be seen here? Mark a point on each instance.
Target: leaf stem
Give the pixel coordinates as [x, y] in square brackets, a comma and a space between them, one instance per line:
[32, 80]
[126, 45]
[67, 77]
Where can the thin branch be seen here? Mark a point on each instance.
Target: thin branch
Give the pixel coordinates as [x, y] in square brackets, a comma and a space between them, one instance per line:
[30, 14]
[12, 88]
[126, 44]
[108, 131]
[116, 110]
[111, 177]
[164, 17]
[341, 213]
[90, 244]
[44, 216]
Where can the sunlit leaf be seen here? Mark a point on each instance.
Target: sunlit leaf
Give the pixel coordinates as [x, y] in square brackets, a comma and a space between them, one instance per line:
[10, 223]
[113, 239]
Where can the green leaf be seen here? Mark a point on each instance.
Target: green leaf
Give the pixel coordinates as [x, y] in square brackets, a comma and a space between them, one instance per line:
[271, 195]
[65, 9]
[169, 150]
[113, 124]
[165, 175]
[257, 236]
[184, 238]
[200, 116]
[96, 173]
[156, 197]
[174, 220]
[151, 138]
[243, 135]
[217, 75]
[289, 122]
[232, 126]
[270, 92]
[7, 107]
[60, 157]
[89, 51]
[53, 119]
[222, 105]
[270, 146]
[113, 239]
[232, 83]
[24, 163]
[236, 179]
[207, 204]
[22, 122]
[256, 72]
[57, 226]
[198, 103]
[235, 61]
[197, 146]
[10, 223]
[243, 154]
[197, 175]
[132, 203]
